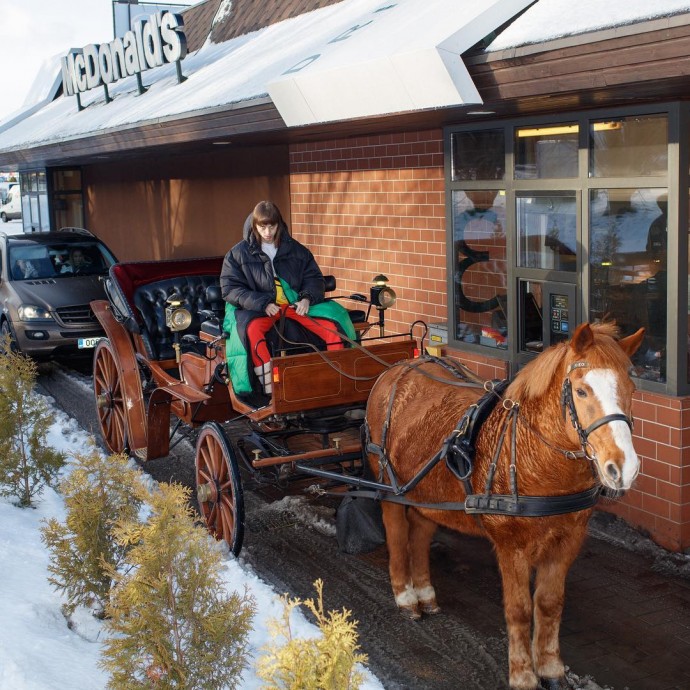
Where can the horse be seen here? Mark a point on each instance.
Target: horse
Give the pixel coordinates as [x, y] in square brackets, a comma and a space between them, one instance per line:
[525, 447]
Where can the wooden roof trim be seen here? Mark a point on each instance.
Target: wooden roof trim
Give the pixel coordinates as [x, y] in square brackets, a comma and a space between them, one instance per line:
[631, 59]
[582, 39]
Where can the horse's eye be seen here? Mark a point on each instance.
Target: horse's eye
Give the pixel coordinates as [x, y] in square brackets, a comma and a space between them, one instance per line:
[581, 393]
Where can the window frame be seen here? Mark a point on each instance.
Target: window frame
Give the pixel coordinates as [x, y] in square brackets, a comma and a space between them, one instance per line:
[676, 179]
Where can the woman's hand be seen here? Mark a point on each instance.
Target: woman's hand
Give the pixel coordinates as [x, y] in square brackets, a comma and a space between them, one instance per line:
[302, 307]
[272, 309]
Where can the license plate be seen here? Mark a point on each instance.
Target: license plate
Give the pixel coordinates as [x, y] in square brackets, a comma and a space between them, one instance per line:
[85, 343]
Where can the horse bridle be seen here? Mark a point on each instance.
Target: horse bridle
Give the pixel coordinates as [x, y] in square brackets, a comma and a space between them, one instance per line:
[567, 403]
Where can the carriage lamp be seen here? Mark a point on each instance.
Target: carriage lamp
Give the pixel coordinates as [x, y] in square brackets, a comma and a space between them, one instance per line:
[382, 297]
[177, 318]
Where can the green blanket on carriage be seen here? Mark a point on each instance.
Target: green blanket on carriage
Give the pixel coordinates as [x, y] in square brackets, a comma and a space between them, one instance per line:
[236, 352]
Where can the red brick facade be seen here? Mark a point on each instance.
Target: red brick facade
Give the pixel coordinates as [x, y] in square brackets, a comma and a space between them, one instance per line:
[370, 205]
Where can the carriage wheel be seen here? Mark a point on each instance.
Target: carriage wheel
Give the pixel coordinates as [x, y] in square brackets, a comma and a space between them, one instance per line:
[110, 404]
[218, 486]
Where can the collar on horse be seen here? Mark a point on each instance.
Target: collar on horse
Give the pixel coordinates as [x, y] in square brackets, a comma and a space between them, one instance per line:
[459, 450]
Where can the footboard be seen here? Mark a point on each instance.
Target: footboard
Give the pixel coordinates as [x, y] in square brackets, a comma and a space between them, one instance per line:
[327, 379]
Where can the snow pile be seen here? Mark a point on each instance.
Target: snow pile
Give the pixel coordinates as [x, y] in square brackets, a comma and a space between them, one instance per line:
[38, 651]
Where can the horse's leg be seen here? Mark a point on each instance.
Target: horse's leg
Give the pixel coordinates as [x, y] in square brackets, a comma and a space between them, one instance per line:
[397, 540]
[421, 533]
[549, 594]
[517, 607]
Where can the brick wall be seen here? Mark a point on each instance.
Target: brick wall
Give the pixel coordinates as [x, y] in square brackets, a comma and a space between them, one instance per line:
[660, 499]
[370, 205]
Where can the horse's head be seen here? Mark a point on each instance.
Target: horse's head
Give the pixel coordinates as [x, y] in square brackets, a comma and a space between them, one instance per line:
[596, 398]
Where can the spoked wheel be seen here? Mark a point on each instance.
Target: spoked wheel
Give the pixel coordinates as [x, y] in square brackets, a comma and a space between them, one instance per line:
[218, 486]
[110, 404]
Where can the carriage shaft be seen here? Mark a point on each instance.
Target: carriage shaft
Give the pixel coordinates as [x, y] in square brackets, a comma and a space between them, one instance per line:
[309, 455]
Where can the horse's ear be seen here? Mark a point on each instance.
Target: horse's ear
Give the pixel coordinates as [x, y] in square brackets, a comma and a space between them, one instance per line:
[632, 342]
[582, 338]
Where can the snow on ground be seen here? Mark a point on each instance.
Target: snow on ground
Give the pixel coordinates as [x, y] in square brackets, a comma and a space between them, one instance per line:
[37, 649]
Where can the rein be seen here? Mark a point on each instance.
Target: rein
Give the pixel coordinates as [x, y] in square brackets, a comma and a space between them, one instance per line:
[459, 449]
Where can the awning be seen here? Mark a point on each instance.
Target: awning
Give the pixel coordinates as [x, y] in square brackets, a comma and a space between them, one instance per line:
[377, 58]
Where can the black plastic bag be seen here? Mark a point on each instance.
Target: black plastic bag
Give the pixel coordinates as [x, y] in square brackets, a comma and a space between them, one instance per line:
[359, 525]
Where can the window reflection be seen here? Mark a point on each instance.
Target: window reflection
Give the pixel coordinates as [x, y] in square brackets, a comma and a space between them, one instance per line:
[629, 146]
[479, 255]
[478, 155]
[547, 231]
[628, 262]
[543, 152]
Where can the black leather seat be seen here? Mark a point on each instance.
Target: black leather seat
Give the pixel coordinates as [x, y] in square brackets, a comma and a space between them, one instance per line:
[151, 301]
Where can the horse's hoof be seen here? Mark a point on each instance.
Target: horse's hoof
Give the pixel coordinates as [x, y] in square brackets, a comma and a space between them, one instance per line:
[431, 608]
[553, 684]
[410, 612]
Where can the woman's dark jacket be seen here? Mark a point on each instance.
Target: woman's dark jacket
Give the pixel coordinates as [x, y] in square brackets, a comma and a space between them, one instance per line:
[247, 279]
[247, 284]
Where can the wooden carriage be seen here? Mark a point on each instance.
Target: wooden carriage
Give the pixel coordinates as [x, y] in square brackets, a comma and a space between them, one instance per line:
[151, 369]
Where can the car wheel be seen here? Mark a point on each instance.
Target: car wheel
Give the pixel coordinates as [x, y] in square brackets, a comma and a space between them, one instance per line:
[6, 331]
[3, 216]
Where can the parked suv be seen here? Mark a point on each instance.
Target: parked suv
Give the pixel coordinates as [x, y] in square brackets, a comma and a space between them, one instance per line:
[47, 281]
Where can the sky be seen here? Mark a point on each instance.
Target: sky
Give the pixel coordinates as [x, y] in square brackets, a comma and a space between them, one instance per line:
[34, 30]
[37, 649]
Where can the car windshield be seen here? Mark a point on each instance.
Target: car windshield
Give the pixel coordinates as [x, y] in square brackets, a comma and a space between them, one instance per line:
[32, 260]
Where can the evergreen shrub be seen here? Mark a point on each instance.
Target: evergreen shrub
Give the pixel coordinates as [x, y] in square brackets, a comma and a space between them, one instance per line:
[27, 463]
[171, 622]
[99, 493]
[326, 662]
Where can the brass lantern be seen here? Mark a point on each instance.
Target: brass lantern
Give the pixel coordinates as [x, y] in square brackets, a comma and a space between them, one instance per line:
[177, 318]
[382, 297]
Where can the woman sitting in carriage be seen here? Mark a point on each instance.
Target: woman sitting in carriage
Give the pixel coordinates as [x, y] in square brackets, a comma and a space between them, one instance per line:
[274, 291]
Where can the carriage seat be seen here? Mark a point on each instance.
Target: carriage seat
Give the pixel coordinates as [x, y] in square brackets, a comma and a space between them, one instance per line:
[151, 301]
[356, 315]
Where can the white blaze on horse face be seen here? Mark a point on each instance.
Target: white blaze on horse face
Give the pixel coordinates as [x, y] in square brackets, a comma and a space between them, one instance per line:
[604, 386]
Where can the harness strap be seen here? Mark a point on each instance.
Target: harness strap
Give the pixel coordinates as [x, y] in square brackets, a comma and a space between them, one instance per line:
[618, 416]
[499, 504]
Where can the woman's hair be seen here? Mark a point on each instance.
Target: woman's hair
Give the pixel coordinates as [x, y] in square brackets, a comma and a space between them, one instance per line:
[267, 212]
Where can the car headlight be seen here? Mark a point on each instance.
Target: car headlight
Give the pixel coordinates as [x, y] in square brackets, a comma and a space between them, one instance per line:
[30, 312]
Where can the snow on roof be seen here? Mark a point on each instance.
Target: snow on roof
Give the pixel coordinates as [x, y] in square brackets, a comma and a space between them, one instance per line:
[357, 39]
[352, 36]
[547, 20]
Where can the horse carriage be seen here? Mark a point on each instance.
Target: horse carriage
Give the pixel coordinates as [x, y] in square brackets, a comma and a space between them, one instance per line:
[165, 356]
[519, 462]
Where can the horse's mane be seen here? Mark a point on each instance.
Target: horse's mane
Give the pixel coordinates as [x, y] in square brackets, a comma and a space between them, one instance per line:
[534, 380]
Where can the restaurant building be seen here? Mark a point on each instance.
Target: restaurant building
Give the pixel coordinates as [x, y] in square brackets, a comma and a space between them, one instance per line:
[513, 167]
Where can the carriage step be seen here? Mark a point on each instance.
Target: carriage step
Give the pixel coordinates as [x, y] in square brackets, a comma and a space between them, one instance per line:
[182, 391]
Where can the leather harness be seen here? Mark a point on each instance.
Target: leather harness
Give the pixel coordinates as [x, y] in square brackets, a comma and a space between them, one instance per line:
[459, 449]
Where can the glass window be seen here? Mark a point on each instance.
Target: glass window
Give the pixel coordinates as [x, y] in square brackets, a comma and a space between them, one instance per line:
[87, 257]
[69, 211]
[478, 155]
[44, 215]
[546, 152]
[629, 147]
[628, 262]
[530, 316]
[67, 180]
[547, 231]
[480, 269]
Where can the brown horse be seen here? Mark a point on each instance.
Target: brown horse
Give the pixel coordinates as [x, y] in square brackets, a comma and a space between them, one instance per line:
[564, 423]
